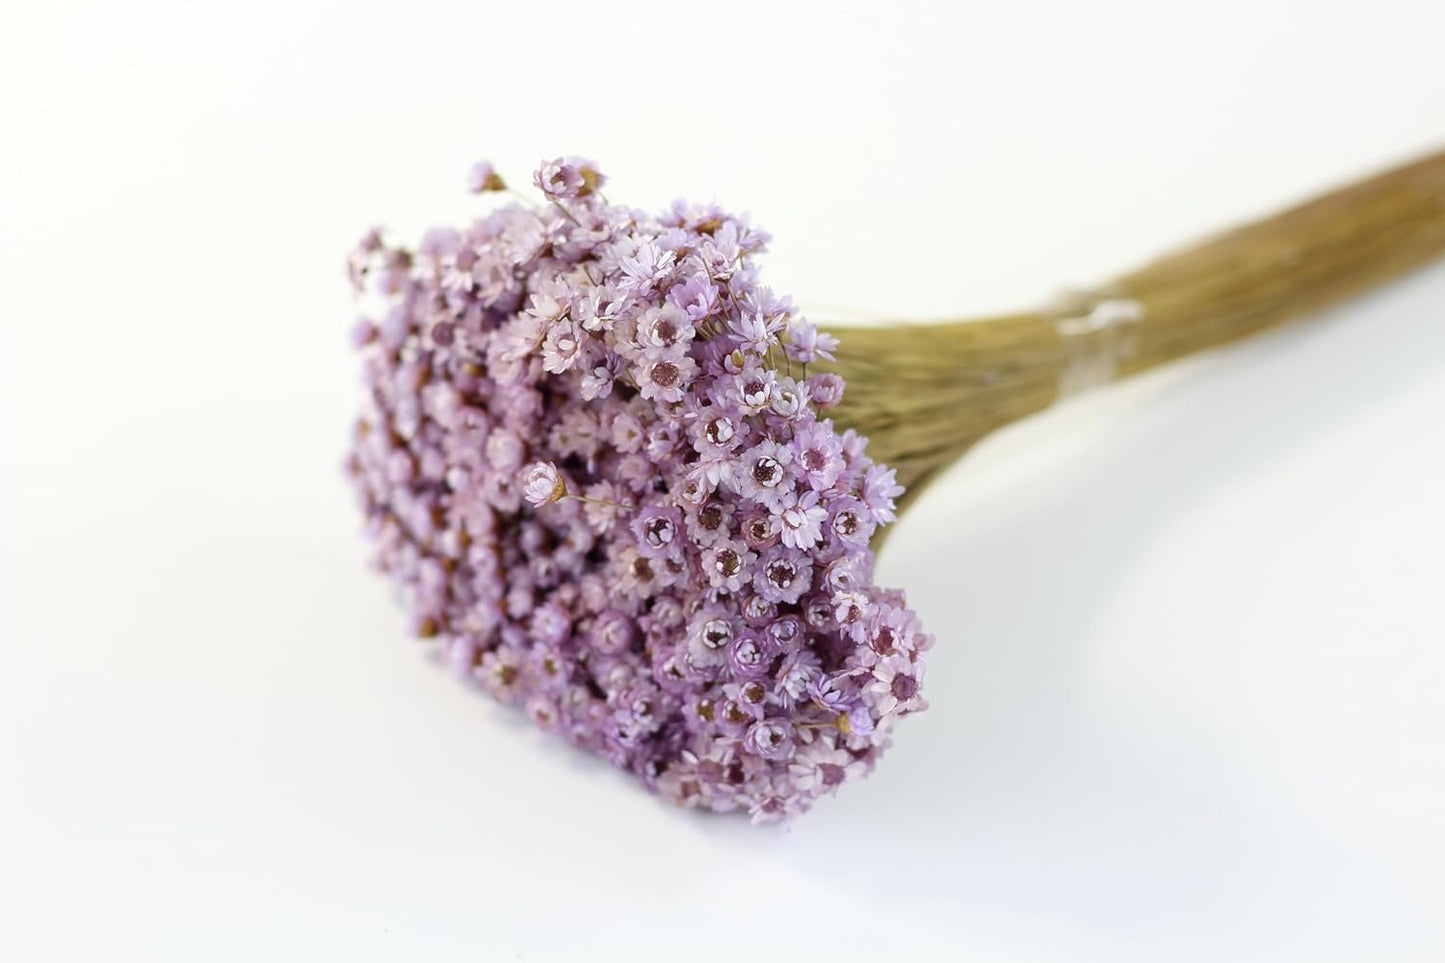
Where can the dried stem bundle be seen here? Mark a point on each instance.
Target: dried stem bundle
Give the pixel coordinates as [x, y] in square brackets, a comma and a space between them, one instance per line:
[925, 393]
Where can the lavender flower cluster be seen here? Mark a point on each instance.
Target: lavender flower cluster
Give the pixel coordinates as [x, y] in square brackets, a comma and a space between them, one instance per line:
[592, 456]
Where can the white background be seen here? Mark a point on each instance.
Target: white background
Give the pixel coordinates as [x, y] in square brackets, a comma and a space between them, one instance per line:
[1187, 694]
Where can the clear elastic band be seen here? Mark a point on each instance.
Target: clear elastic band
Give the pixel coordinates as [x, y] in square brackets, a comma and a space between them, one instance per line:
[1098, 330]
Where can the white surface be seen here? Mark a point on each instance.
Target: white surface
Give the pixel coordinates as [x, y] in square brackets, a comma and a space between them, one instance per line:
[1186, 702]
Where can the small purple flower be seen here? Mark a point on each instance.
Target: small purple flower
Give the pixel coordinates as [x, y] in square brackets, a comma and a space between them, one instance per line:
[807, 344]
[665, 378]
[664, 328]
[761, 529]
[551, 623]
[561, 347]
[612, 633]
[542, 484]
[710, 524]
[728, 565]
[783, 574]
[762, 472]
[500, 672]
[801, 518]
[824, 767]
[747, 655]
[880, 488]
[645, 268]
[567, 178]
[818, 459]
[797, 673]
[505, 451]
[789, 399]
[825, 389]
[830, 693]
[718, 432]
[894, 685]
[709, 634]
[696, 296]
[484, 177]
[658, 530]
[752, 389]
[850, 522]
[770, 739]
[758, 611]
[786, 633]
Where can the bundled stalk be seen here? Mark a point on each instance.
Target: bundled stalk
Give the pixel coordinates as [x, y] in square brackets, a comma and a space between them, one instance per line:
[622, 485]
[925, 393]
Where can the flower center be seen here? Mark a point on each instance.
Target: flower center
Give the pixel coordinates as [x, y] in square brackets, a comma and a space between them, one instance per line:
[767, 471]
[660, 532]
[883, 640]
[781, 574]
[665, 374]
[716, 633]
[903, 687]
[728, 562]
[720, 431]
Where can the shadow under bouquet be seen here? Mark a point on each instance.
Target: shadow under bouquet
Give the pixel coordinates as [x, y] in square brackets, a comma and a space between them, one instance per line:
[629, 488]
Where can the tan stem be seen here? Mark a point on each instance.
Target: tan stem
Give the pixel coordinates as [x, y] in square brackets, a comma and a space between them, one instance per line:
[925, 393]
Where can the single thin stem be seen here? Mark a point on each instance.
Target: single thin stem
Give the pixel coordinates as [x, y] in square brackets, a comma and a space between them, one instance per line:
[600, 501]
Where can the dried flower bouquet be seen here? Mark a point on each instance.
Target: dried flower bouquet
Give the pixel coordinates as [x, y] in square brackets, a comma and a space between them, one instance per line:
[623, 487]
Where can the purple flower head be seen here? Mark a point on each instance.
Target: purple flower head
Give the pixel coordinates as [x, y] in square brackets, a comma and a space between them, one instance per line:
[818, 456]
[484, 177]
[590, 457]
[761, 529]
[664, 328]
[658, 530]
[894, 686]
[567, 178]
[763, 473]
[771, 739]
[786, 633]
[728, 565]
[880, 488]
[665, 377]
[747, 655]
[542, 484]
[783, 574]
[710, 523]
[612, 633]
[710, 633]
[850, 522]
[807, 344]
[800, 518]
